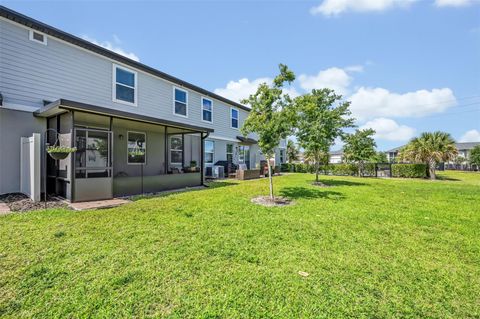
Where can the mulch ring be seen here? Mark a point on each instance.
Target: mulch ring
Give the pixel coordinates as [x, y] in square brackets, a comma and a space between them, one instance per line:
[267, 201]
[18, 202]
[320, 184]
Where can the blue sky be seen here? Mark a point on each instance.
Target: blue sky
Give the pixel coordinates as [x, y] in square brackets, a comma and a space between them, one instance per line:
[408, 66]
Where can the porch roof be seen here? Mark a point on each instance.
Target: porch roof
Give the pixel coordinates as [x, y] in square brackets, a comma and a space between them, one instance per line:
[246, 140]
[63, 105]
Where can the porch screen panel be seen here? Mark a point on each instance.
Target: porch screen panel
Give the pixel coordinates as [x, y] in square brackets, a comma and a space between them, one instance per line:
[92, 158]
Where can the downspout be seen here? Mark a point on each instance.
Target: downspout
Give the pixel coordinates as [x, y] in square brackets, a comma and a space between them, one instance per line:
[202, 158]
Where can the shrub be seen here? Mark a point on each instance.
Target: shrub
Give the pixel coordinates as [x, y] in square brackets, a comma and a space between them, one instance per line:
[301, 168]
[369, 169]
[409, 170]
[287, 167]
[344, 169]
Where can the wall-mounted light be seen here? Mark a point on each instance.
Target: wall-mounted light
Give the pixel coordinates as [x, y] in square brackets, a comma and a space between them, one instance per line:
[120, 137]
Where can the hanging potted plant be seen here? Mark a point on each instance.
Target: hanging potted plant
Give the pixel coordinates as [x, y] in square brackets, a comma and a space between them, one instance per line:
[60, 152]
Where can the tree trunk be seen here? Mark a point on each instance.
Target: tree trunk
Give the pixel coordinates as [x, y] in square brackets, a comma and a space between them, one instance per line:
[431, 170]
[360, 169]
[317, 168]
[270, 179]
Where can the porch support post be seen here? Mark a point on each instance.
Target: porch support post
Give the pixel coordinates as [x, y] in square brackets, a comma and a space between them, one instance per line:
[166, 151]
[72, 160]
[183, 150]
[110, 139]
[202, 157]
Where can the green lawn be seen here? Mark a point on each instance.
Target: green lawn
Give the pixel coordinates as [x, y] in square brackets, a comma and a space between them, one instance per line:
[372, 248]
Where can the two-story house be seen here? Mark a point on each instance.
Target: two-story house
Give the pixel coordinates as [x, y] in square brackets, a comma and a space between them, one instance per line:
[135, 129]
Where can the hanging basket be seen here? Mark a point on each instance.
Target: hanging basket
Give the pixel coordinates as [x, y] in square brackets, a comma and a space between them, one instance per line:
[59, 153]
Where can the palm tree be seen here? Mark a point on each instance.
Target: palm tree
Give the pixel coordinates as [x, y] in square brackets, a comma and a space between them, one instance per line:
[431, 149]
[292, 151]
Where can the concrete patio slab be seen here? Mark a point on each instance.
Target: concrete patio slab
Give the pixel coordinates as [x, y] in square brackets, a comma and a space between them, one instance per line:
[99, 204]
[4, 209]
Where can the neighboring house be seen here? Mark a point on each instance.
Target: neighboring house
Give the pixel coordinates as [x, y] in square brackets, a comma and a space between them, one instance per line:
[464, 150]
[136, 129]
[393, 154]
[336, 157]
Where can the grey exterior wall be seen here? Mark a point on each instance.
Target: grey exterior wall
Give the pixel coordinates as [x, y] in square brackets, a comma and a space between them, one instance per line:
[31, 73]
[60, 70]
[13, 126]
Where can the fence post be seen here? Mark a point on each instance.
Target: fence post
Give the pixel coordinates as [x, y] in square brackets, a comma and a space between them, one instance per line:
[35, 159]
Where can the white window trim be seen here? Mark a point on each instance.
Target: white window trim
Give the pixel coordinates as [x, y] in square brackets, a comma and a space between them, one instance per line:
[201, 110]
[171, 149]
[173, 99]
[238, 118]
[44, 42]
[144, 134]
[226, 151]
[213, 153]
[114, 85]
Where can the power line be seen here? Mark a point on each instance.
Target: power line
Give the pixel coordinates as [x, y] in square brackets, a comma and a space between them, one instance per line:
[453, 113]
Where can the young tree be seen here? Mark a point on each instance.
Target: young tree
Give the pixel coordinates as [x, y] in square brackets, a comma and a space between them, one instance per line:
[292, 151]
[359, 147]
[271, 116]
[379, 157]
[459, 160]
[321, 118]
[431, 149]
[475, 156]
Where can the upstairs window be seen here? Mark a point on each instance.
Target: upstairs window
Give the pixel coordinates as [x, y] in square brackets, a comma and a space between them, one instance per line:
[38, 37]
[234, 117]
[124, 85]
[206, 110]
[180, 102]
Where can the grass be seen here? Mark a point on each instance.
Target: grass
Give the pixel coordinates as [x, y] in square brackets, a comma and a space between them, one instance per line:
[371, 247]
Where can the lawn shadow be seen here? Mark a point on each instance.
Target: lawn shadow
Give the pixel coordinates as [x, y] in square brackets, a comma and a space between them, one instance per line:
[445, 178]
[217, 184]
[337, 182]
[309, 193]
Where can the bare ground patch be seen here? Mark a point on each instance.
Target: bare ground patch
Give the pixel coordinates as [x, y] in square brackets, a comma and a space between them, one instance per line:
[278, 201]
[18, 202]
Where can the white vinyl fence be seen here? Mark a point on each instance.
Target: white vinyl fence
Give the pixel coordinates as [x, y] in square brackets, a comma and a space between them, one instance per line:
[30, 168]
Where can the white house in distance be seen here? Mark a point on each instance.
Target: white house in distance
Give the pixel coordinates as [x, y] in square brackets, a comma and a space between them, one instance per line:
[336, 157]
[464, 150]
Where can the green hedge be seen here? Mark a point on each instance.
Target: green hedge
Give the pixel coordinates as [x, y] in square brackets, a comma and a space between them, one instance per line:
[398, 170]
[409, 170]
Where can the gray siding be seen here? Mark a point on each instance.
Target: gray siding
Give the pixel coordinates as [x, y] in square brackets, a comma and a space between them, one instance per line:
[13, 126]
[31, 72]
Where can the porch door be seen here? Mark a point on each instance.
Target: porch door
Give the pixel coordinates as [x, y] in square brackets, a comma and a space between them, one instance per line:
[209, 157]
[93, 164]
[244, 155]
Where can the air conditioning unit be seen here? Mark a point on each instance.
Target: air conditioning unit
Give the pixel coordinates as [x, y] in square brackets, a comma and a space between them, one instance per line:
[218, 171]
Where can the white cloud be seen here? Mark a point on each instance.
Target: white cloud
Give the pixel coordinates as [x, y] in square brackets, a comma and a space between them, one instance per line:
[332, 78]
[470, 136]
[113, 47]
[388, 129]
[354, 68]
[379, 102]
[453, 3]
[241, 89]
[366, 103]
[335, 7]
